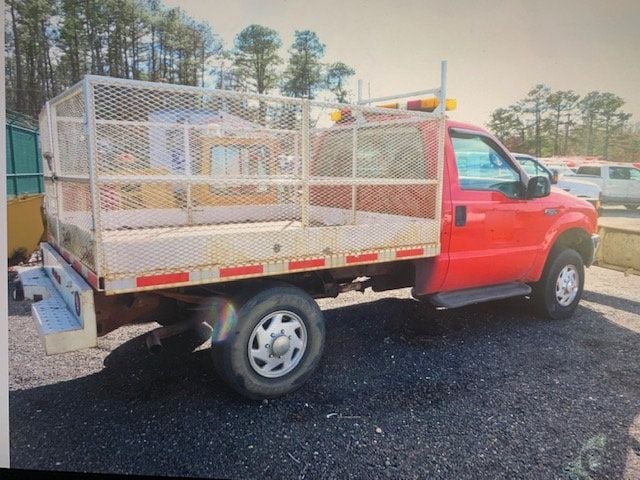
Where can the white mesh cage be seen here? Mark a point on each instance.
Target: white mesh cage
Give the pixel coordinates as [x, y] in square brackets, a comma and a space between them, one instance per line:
[156, 178]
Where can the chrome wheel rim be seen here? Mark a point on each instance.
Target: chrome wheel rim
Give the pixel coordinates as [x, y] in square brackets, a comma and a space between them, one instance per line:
[277, 344]
[567, 285]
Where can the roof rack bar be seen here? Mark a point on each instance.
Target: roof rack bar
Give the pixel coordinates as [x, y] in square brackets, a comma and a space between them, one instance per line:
[439, 92]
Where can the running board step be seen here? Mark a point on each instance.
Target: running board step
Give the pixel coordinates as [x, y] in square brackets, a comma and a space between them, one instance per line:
[469, 296]
[62, 308]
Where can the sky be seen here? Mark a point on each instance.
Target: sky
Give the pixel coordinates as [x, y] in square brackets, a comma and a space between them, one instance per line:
[496, 50]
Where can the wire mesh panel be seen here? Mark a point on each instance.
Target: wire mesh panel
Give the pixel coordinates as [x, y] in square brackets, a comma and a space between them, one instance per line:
[185, 178]
[68, 206]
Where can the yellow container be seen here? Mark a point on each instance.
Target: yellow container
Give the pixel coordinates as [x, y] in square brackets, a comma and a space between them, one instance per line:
[25, 226]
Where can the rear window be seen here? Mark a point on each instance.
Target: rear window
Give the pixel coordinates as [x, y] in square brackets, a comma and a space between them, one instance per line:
[393, 152]
[593, 171]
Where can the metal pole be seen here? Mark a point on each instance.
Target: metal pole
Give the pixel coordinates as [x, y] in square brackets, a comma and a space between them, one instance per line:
[441, 138]
[91, 132]
[354, 172]
[38, 163]
[13, 160]
[53, 138]
[443, 86]
[188, 172]
[4, 320]
[306, 159]
[359, 92]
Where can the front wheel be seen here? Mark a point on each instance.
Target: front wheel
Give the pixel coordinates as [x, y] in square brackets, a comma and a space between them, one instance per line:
[559, 290]
[631, 207]
[275, 345]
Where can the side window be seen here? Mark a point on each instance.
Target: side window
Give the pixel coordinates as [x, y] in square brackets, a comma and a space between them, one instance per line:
[634, 173]
[481, 167]
[532, 168]
[593, 171]
[619, 173]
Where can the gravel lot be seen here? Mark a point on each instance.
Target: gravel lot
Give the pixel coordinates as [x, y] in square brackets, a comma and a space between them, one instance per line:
[486, 392]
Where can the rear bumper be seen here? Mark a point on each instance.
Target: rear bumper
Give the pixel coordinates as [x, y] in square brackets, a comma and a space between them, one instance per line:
[63, 308]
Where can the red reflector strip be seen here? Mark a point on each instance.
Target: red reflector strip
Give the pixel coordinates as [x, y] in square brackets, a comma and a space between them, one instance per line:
[413, 252]
[162, 279]
[300, 264]
[237, 271]
[364, 257]
[77, 266]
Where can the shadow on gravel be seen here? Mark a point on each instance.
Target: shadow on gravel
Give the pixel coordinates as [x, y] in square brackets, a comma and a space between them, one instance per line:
[627, 305]
[489, 391]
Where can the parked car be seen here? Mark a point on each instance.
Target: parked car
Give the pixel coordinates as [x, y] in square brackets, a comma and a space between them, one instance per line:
[620, 183]
[584, 189]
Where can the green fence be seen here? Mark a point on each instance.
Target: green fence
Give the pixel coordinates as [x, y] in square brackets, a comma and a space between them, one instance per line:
[24, 167]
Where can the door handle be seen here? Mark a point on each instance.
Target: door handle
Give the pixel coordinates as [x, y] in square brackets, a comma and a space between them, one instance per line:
[461, 216]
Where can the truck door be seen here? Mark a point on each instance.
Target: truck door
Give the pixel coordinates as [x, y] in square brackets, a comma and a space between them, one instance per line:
[496, 235]
[625, 184]
[617, 180]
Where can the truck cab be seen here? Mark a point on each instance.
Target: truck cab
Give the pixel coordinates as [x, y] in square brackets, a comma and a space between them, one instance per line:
[499, 224]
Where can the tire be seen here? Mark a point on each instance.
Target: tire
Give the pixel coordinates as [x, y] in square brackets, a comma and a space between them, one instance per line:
[558, 292]
[631, 207]
[293, 324]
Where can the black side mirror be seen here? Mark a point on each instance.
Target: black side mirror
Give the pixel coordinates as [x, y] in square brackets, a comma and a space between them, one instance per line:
[538, 187]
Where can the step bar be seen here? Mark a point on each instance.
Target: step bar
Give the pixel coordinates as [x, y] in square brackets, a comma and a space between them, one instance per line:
[63, 307]
[470, 296]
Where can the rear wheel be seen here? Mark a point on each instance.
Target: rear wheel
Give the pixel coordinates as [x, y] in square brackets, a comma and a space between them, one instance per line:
[559, 290]
[275, 345]
[631, 207]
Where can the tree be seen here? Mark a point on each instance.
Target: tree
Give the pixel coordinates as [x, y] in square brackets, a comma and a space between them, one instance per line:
[337, 74]
[535, 104]
[613, 119]
[303, 76]
[73, 41]
[505, 123]
[560, 102]
[256, 57]
[589, 108]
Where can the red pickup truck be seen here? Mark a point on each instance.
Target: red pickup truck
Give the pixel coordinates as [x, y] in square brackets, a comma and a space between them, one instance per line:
[194, 207]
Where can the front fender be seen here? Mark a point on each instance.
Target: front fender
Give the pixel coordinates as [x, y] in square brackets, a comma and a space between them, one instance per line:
[572, 220]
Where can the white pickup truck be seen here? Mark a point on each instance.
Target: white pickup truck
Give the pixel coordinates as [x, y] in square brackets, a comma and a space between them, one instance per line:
[584, 189]
[620, 183]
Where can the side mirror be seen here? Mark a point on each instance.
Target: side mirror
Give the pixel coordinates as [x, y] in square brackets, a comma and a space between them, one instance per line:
[538, 187]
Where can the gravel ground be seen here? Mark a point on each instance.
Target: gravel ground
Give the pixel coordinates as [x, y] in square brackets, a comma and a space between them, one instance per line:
[484, 393]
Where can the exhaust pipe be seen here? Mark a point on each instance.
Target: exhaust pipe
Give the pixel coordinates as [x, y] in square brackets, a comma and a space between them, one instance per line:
[154, 337]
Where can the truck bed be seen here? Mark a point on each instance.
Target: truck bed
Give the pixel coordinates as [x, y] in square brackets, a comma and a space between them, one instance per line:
[204, 251]
[153, 186]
